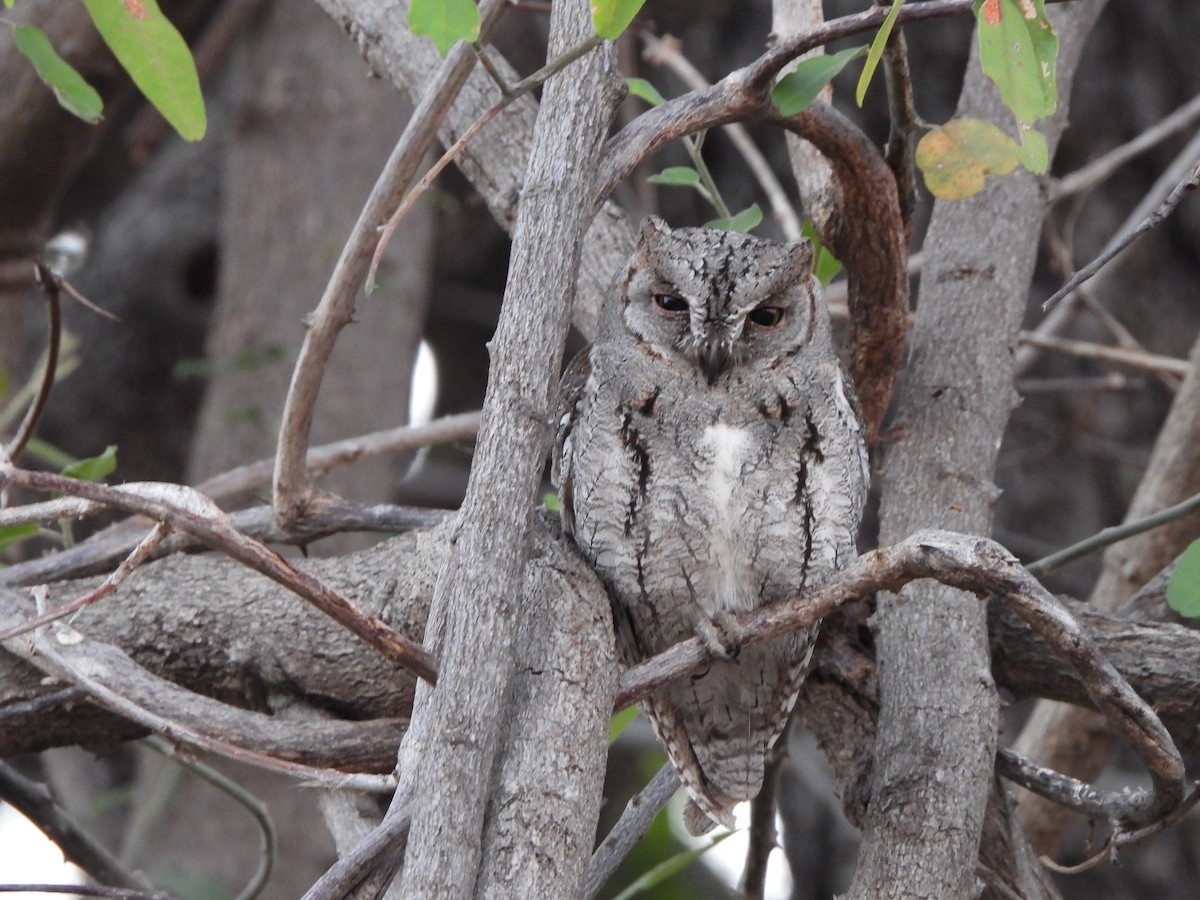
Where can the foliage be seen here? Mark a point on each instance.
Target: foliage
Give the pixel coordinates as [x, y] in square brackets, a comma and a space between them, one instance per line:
[800, 87]
[146, 45]
[445, 22]
[669, 867]
[746, 220]
[95, 468]
[1017, 51]
[876, 52]
[1183, 590]
[955, 157]
[70, 89]
[612, 17]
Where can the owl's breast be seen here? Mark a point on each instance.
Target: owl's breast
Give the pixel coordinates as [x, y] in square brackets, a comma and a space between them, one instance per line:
[693, 513]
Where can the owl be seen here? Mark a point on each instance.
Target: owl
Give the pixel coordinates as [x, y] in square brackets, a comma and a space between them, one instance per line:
[710, 460]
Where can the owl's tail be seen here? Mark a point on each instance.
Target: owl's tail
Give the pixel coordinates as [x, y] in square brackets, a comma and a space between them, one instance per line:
[698, 820]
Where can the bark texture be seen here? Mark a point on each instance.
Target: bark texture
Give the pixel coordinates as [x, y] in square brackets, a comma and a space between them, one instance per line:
[447, 760]
[939, 718]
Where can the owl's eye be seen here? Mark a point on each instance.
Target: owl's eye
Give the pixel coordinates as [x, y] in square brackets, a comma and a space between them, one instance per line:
[766, 316]
[670, 303]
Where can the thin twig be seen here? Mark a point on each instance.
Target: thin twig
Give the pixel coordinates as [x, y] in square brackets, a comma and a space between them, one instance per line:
[322, 459]
[71, 291]
[635, 821]
[49, 283]
[96, 555]
[1121, 840]
[216, 532]
[35, 803]
[1143, 361]
[666, 52]
[239, 795]
[139, 555]
[1058, 317]
[82, 890]
[1156, 218]
[43, 652]
[904, 124]
[518, 90]
[385, 840]
[1099, 169]
[292, 486]
[1106, 536]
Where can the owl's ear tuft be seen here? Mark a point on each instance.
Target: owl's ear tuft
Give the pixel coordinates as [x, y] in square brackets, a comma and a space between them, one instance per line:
[652, 230]
[800, 256]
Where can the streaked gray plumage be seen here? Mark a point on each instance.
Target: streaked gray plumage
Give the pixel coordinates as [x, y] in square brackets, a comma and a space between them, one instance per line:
[709, 461]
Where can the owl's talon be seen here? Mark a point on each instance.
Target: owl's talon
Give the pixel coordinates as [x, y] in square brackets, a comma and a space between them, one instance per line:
[719, 635]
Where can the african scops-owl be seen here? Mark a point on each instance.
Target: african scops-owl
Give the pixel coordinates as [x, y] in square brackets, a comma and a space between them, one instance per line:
[710, 460]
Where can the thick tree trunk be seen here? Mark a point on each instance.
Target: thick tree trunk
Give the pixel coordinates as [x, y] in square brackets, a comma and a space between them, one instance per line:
[449, 758]
[935, 747]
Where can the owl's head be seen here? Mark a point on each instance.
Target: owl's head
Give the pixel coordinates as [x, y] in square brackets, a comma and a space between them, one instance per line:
[720, 300]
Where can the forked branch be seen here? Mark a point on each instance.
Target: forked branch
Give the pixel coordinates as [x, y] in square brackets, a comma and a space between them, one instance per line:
[984, 568]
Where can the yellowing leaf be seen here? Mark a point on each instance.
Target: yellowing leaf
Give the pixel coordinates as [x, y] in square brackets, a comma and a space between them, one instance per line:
[611, 17]
[955, 157]
[445, 22]
[156, 57]
[1018, 50]
[73, 93]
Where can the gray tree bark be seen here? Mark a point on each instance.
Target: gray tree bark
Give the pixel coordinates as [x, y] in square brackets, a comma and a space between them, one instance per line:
[938, 724]
[448, 758]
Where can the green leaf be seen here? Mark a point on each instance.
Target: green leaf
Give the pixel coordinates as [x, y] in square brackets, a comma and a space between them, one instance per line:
[800, 87]
[825, 264]
[71, 91]
[611, 17]
[1018, 50]
[94, 469]
[640, 87]
[684, 176]
[156, 57]
[619, 722]
[955, 157]
[667, 868]
[1183, 590]
[552, 502]
[48, 453]
[1034, 153]
[445, 22]
[876, 52]
[14, 533]
[747, 220]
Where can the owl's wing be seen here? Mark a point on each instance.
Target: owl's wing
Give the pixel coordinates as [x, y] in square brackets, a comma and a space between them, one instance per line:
[570, 397]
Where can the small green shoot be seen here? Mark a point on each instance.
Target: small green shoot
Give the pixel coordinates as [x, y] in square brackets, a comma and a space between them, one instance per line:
[1183, 590]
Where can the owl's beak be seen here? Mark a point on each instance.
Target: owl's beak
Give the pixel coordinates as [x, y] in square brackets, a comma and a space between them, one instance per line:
[714, 355]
